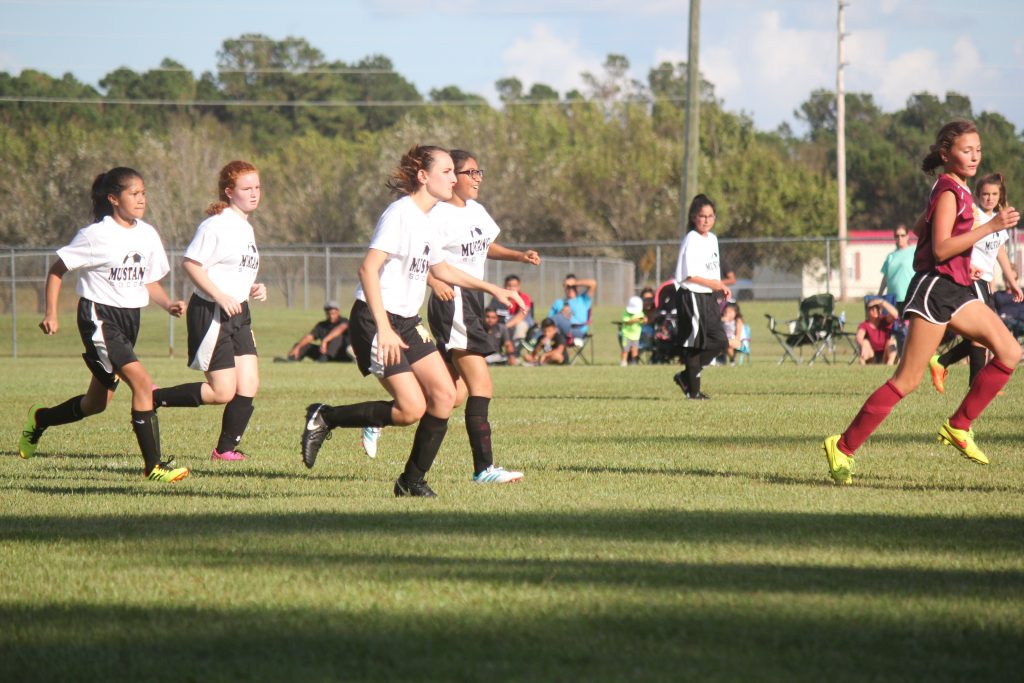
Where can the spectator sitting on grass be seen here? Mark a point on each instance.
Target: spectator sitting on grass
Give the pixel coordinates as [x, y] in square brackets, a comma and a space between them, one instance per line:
[874, 335]
[327, 341]
[550, 346]
[497, 330]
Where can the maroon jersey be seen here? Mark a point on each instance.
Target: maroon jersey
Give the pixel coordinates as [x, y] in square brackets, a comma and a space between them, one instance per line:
[956, 267]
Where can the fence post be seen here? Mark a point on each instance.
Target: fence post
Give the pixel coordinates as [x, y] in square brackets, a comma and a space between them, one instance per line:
[327, 274]
[828, 265]
[305, 282]
[170, 318]
[14, 310]
[657, 265]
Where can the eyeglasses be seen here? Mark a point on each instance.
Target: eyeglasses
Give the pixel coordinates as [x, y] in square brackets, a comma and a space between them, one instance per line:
[474, 173]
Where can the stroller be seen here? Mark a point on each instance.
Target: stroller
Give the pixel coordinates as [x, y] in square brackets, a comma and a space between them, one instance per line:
[666, 325]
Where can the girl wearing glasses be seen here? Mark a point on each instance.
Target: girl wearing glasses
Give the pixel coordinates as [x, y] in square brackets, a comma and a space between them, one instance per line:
[698, 278]
[387, 334]
[467, 234]
[990, 198]
[941, 295]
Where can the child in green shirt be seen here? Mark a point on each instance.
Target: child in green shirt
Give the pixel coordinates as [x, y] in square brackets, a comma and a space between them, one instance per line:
[630, 328]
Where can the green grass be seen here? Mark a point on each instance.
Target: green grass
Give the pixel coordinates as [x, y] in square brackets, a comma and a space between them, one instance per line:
[652, 538]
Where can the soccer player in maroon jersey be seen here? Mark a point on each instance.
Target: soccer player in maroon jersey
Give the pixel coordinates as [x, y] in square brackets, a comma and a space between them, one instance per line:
[940, 295]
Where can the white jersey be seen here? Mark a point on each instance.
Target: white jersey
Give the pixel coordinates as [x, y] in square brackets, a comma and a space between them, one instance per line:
[465, 234]
[409, 238]
[698, 257]
[116, 262]
[225, 246]
[983, 256]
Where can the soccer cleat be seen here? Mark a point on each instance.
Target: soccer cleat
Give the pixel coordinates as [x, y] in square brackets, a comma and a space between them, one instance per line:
[30, 434]
[497, 475]
[963, 441]
[840, 465]
[315, 433]
[165, 473]
[938, 373]
[680, 379]
[420, 489]
[699, 396]
[369, 440]
[227, 455]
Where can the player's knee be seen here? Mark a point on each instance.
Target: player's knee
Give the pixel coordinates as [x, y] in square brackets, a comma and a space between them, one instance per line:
[222, 395]
[1011, 355]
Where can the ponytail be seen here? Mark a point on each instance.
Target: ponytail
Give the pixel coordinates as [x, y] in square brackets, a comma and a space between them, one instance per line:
[113, 182]
[226, 180]
[944, 142]
[404, 179]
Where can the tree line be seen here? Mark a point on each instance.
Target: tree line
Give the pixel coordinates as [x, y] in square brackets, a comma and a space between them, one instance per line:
[595, 166]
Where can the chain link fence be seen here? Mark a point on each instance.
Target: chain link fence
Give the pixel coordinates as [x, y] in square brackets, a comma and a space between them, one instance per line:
[305, 276]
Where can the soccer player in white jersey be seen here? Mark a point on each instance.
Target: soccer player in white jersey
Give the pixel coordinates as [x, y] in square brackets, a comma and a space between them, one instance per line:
[385, 329]
[467, 234]
[222, 261]
[698, 276]
[120, 261]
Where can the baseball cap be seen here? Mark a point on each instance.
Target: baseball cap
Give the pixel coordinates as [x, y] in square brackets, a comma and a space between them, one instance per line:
[331, 304]
[635, 305]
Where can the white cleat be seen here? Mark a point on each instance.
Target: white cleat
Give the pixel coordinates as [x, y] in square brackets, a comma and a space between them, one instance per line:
[370, 437]
[497, 475]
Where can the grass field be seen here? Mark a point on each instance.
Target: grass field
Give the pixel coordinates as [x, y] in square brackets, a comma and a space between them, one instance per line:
[652, 539]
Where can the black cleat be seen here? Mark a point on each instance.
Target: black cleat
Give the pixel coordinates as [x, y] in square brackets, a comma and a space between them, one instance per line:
[413, 488]
[699, 396]
[315, 433]
[680, 380]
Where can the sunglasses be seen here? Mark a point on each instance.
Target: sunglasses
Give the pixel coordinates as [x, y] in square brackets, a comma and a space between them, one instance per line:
[474, 173]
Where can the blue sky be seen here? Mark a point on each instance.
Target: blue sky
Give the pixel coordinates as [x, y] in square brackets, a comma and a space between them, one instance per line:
[764, 57]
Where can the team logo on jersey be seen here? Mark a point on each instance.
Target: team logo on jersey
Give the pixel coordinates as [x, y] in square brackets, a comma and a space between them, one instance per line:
[476, 245]
[426, 250]
[131, 272]
[250, 260]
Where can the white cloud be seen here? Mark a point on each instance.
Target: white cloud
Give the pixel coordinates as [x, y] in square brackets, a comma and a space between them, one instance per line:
[10, 64]
[768, 69]
[892, 80]
[544, 57]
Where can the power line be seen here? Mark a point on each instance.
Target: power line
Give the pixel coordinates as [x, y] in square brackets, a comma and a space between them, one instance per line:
[310, 103]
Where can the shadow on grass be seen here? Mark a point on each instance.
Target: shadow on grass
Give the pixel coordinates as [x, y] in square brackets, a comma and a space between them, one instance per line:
[860, 481]
[963, 535]
[688, 631]
[330, 643]
[180, 491]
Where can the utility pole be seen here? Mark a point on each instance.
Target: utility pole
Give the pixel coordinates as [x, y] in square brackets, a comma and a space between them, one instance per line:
[692, 151]
[841, 146]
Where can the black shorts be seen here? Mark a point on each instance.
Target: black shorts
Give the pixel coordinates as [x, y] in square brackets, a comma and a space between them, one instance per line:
[109, 334]
[982, 290]
[458, 324]
[362, 331]
[937, 298]
[700, 321]
[214, 338]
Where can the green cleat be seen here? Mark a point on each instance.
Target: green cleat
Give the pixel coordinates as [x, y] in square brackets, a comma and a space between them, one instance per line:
[29, 440]
[166, 473]
[963, 441]
[840, 465]
[938, 374]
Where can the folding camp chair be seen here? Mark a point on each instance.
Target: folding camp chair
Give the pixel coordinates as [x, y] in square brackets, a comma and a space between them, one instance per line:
[743, 352]
[816, 328]
[581, 341]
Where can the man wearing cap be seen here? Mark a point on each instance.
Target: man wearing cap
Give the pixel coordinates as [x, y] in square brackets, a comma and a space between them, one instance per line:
[327, 341]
